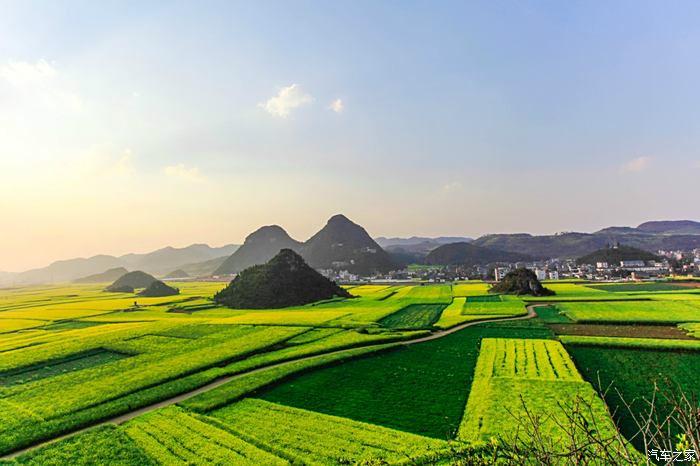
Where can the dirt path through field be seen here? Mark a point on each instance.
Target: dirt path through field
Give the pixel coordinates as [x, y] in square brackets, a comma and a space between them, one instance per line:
[217, 383]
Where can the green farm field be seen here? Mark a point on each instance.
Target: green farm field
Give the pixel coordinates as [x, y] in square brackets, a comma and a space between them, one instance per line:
[400, 374]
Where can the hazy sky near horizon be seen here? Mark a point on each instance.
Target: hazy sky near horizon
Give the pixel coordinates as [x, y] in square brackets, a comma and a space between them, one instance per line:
[126, 126]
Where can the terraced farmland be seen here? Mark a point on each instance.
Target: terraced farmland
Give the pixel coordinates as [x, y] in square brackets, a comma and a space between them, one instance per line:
[334, 382]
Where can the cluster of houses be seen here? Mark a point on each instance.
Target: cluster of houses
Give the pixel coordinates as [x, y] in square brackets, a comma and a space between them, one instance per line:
[553, 269]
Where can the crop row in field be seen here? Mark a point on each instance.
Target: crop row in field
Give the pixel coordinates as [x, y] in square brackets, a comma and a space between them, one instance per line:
[12, 325]
[692, 329]
[172, 436]
[529, 359]
[50, 368]
[311, 438]
[413, 316]
[625, 331]
[543, 376]
[105, 445]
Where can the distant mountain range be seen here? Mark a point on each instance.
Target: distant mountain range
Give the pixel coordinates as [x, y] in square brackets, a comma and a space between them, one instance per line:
[340, 244]
[468, 254]
[413, 240]
[649, 236]
[664, 227]
[158, 262]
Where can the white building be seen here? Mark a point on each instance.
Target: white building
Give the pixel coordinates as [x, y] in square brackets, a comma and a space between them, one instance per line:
[500, 272]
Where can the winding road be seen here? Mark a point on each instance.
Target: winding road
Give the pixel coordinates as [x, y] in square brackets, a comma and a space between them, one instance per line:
[223, 380]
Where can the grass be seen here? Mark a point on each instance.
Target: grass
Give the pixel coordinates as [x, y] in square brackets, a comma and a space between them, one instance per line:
[420, 389]
[633, 372]
[414, 316]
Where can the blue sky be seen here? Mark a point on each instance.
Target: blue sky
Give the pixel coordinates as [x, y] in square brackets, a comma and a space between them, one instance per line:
[132, 125]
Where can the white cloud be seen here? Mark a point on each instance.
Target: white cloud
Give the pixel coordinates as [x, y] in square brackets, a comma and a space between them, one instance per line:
[636, 165]
[337, 106]
[20, 73]
[184, 173]
[124, 166]
[452, 187]
[39, 89]
[286, 100]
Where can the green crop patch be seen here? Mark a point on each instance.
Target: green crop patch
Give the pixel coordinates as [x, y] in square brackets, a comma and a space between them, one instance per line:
[312, 438]
[71, 324]
[650, 312]
[492, 298]
[638, 287]
[71, 363]
[514, 374]
[414, 316]
[633, 373]
[172, 436]
[420, 388]
[551, 315]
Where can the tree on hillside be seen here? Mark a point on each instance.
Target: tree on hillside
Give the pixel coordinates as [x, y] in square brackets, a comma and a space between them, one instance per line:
[521, 282]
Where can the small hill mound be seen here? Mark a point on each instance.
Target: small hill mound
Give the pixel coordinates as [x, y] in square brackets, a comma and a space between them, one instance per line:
[615, 254]
[135, 279]
[120, 289]
[520, 282]
[469, 254]
[157, 289]
[258, 248]
[179, 273]
[344, 245]
[286, 280]
[106, 276]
